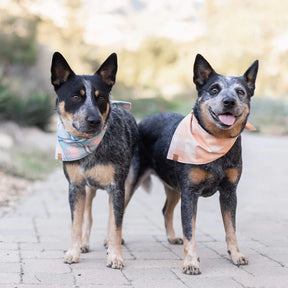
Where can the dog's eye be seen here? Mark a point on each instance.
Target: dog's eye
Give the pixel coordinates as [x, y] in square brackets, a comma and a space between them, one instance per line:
[100, 98]
[76, 98]
[214, 90]
[240, 92]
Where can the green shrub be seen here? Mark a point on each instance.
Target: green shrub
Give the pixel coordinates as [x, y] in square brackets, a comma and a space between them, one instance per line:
[33, 110]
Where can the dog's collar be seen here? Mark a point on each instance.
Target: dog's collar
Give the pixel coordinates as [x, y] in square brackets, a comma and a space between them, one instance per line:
[191, 144]
[71, 148]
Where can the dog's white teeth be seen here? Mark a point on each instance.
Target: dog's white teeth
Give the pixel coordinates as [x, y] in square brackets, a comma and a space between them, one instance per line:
[227, 119]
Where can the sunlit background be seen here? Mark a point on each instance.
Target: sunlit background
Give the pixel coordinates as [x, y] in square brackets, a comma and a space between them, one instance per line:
[156, 42]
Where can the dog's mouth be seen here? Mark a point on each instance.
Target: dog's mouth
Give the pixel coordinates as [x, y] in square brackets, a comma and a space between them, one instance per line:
[226, 120]
[86, 132]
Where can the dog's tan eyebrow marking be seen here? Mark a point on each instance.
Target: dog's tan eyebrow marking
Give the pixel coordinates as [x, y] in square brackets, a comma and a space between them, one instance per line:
[82, 92]
[97, 93]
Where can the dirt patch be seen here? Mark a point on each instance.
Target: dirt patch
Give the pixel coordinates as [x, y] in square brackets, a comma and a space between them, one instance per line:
[11, 189]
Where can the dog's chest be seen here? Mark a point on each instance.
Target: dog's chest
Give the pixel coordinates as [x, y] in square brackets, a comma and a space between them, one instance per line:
[99, 175]
[208, 181]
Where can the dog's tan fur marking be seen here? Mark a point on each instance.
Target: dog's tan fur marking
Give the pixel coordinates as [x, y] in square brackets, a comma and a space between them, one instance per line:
[232, 174]
[211, 126]
[230, 231]
[114, 252]
[74, 172]
[97, 93]
[105, 74]
[232, 246]
[103, 174]
[88, 220]
[172, 200]
[82, 92]
[105, 115]
[198, 175]
[67, 118]
[73, 254]
[191, 264]
[62, 76]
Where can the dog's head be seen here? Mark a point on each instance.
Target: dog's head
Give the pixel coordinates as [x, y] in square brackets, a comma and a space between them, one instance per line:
[223, 103]
[83, 100]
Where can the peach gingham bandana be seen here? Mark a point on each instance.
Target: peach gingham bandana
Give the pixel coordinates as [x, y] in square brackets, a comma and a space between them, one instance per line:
[191, 144]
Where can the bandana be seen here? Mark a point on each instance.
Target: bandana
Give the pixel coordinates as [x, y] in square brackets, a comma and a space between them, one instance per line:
[71, 148]
[191, 144]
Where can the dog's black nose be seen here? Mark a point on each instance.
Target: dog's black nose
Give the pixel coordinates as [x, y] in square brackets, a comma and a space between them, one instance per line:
[93, 120]
[229, 102]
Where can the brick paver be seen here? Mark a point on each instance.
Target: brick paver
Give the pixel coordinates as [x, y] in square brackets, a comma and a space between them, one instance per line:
[34, 236]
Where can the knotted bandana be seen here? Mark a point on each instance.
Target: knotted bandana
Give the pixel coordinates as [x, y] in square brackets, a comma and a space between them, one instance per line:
[71, 148]
[191, 144]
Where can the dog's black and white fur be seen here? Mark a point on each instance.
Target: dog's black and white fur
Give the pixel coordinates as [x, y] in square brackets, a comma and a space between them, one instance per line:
[217, 95]
[84, 106]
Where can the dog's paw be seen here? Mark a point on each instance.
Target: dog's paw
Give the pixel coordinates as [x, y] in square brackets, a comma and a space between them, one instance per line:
[84, 248]
[115, 261]
[72, 256]
[238, 259]
[175, 241]
[191, 267]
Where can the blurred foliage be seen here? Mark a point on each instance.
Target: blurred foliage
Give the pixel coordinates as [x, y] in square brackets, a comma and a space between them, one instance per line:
[269, 116]
[160, 68]
[33, 110]
[18, 38]
[145, 66]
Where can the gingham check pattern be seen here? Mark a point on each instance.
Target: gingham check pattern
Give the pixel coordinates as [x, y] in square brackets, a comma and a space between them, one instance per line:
[71, 148]
[191, 144]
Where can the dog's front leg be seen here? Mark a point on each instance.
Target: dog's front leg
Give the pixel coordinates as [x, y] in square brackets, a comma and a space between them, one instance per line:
[191, 263]
[228, 203]
[77, 203]
[88, 220]
[116, 211]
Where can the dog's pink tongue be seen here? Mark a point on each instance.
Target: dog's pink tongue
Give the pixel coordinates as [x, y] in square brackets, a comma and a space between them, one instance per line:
[227, 119]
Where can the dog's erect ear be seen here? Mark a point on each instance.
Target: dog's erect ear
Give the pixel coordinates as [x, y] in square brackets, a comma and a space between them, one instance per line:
[202, 71]
[108, 70]
[60, 70]
[251, 74]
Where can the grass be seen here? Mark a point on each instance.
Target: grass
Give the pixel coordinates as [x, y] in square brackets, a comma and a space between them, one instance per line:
[29, 164]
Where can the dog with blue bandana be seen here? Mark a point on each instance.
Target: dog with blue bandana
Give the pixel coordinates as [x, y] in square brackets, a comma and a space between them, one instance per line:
[96, 142]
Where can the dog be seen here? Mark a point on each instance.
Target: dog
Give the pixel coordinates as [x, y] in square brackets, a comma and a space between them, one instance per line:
[96, 144]
[210, 161]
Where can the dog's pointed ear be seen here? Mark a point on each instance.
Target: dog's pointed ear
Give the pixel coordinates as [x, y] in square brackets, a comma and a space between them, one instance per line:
[202, 71]
[60, 70]
[251, 74]
[108, 70]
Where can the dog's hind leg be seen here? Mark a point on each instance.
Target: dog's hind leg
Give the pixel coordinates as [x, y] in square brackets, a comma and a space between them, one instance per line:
[88, 220]
[168, 212]
[228, 203]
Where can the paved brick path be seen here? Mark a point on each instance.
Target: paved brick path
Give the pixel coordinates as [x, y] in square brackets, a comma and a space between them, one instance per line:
[33, 238]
